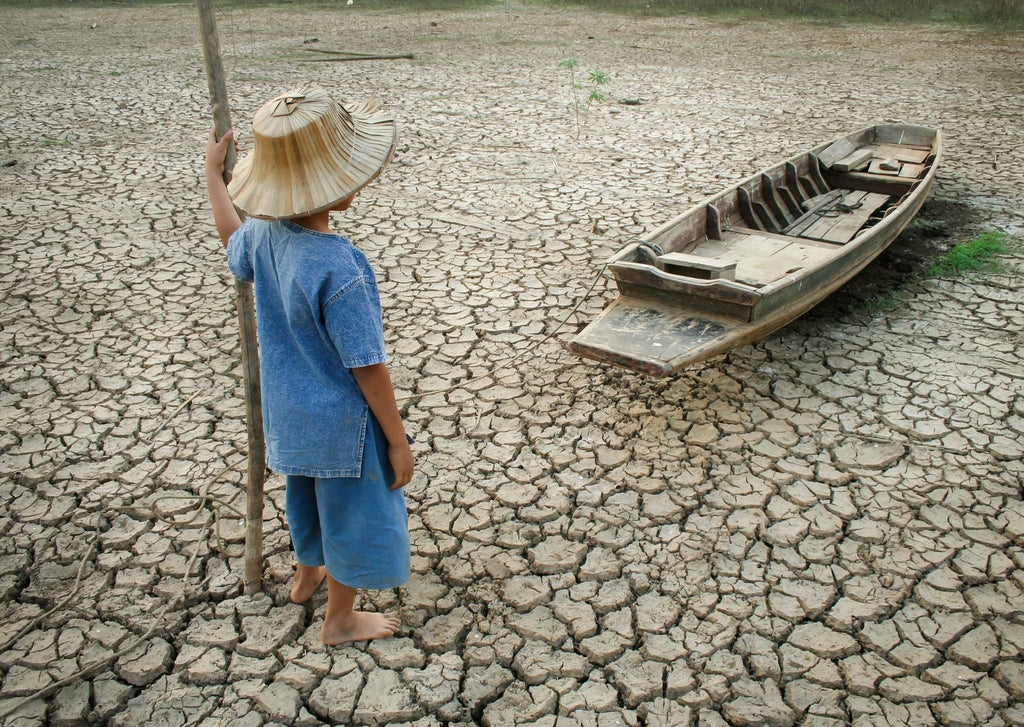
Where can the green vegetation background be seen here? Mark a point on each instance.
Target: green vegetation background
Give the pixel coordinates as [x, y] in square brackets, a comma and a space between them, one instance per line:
[997, 12]
[1007, 14]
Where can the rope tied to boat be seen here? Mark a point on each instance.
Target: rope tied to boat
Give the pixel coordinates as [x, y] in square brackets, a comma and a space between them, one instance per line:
[647, 252]
[837, 208]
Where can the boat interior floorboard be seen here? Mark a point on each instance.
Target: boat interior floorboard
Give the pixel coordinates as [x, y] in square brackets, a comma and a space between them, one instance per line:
[782, 238]
[763, 257]
[842, 225]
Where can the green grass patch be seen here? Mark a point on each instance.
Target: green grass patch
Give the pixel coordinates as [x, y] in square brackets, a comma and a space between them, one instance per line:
[1002, 13]
[997, 14]
[973, 255]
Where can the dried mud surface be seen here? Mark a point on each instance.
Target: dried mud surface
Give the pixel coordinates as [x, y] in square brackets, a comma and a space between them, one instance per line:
[824, 528]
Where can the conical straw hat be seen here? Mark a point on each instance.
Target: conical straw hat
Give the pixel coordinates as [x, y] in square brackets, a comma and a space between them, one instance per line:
[310, 153]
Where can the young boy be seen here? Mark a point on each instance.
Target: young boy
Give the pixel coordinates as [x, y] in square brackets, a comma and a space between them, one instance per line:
[331, 421]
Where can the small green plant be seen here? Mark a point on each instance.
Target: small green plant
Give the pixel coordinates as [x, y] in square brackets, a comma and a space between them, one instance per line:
[594, 87]
[973, 255]
[885, 301]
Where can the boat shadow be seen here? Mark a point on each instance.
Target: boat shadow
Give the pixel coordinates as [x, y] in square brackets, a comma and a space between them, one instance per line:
[938, 227]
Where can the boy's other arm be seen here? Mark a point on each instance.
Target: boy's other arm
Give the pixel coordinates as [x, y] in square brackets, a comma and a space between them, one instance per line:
[224, 214]
[375, 383]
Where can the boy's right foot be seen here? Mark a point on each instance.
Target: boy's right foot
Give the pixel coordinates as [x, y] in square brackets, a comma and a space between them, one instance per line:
[307, 579]
[360, 626]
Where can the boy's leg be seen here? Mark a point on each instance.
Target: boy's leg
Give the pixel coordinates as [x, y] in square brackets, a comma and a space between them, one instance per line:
[307, 579]
[365, 533]
[304, 528]
[343, 623]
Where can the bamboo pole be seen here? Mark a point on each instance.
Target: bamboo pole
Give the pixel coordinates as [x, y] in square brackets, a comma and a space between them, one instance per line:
[246, 320]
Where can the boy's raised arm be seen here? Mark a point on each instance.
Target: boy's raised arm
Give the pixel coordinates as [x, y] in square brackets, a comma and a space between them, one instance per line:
[224, 213]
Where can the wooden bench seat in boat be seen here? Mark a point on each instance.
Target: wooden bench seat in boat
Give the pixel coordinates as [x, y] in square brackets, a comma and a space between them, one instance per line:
[798, 204]
[697, 266]
[878, 167]
[890, 185]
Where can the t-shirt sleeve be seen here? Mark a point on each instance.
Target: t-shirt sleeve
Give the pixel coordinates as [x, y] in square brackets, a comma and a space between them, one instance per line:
[354, 323]
[240, 253]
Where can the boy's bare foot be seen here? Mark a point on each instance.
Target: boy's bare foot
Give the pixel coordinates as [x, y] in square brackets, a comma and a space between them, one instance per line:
[307, 579]
[360, 626]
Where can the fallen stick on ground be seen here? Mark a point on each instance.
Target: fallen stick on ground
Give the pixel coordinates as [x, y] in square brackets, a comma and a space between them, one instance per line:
[361, 58]
[350, 53]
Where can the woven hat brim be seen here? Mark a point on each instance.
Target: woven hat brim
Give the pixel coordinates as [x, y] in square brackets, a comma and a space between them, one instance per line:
[331, 172]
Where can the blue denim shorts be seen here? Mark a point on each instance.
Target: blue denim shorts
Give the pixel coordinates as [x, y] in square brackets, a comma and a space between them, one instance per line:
[356, 526]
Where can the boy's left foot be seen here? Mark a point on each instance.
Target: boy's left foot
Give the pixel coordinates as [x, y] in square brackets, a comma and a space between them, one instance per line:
[307, 580]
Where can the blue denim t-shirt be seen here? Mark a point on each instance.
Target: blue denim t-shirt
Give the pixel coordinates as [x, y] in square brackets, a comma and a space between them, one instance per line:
[318, 315]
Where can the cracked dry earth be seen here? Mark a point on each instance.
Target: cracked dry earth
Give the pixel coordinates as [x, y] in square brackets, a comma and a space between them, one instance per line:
[824, 528]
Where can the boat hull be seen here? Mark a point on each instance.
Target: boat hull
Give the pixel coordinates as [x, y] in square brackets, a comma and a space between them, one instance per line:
[662, 322]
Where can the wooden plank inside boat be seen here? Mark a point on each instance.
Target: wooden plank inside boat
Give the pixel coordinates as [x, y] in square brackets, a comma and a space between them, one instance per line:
[761, 257]
[852, 162]
[891, 186]
[839, 149]
[899, 153]
[844, 222]
[912, 170]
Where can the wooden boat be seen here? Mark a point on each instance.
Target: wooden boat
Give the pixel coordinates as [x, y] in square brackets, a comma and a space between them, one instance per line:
[749, 260]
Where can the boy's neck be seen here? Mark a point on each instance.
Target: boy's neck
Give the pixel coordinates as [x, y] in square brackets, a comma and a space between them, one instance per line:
[317, 222]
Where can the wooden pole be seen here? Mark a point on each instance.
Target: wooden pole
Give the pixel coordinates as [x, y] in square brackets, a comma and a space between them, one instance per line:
[246, 320]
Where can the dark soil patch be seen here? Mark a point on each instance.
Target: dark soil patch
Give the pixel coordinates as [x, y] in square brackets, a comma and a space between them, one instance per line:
[938, 227]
